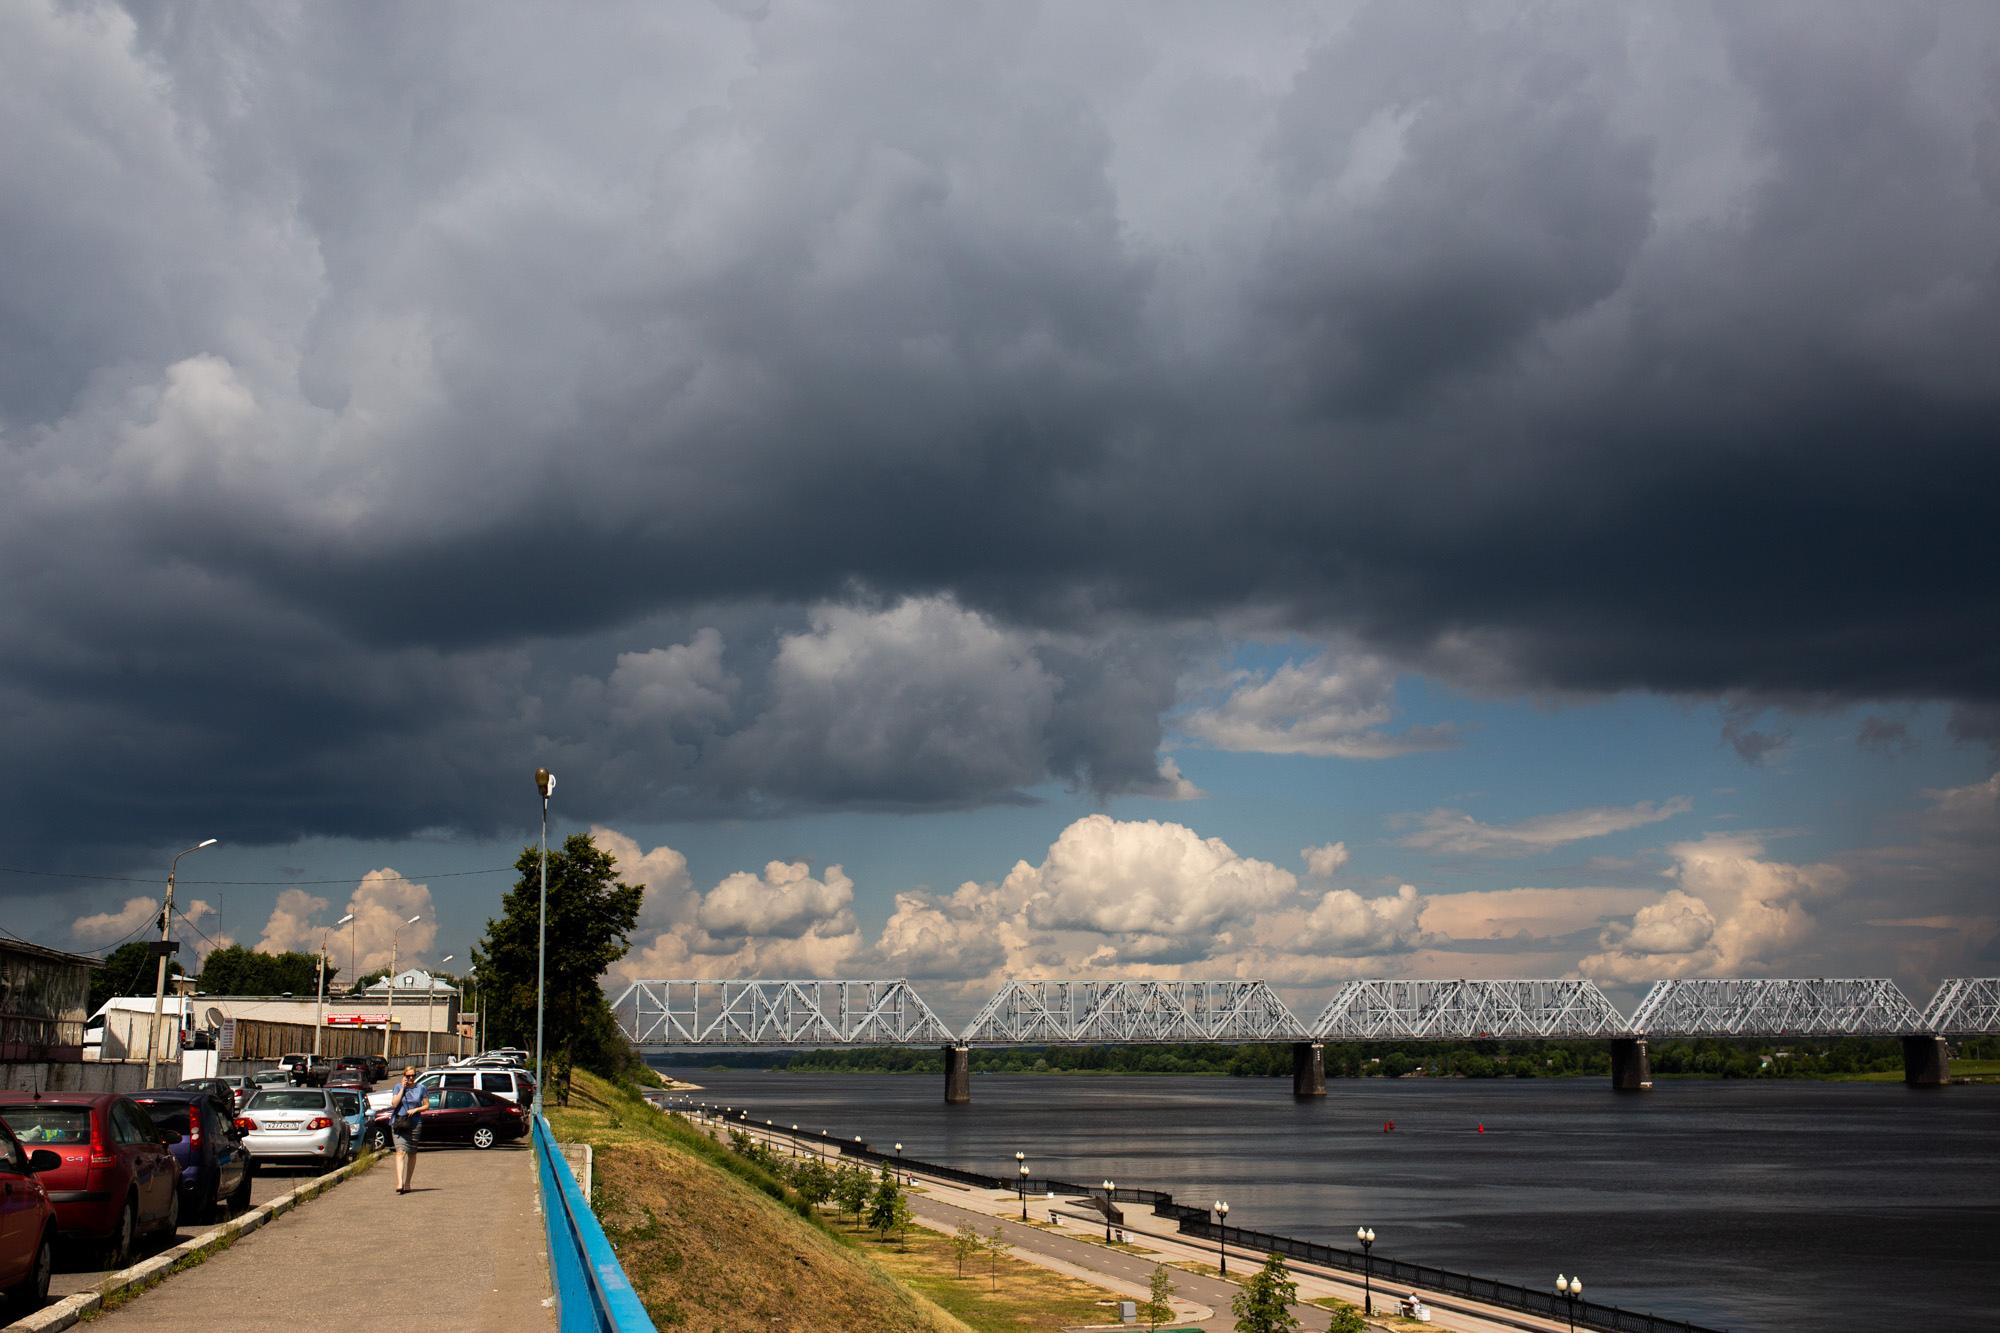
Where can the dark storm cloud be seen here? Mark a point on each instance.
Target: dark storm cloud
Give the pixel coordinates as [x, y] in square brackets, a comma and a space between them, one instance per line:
[408, 391]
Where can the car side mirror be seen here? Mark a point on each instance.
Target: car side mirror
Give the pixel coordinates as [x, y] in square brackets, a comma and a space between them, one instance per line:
[41, 1159]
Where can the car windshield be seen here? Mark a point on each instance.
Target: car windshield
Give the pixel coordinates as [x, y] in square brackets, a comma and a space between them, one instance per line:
[287, 1101]
[348, 1102]
[37, 1122]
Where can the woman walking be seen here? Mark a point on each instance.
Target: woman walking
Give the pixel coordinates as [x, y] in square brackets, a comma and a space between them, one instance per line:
[406, 1109]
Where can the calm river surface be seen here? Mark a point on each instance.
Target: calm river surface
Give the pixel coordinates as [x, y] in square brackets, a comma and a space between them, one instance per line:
[1741, 1205]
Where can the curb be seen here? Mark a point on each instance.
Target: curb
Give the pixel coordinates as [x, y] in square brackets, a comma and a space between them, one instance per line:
[70, 1309]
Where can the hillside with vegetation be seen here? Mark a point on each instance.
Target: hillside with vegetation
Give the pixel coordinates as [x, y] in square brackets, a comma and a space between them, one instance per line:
[712, 1241]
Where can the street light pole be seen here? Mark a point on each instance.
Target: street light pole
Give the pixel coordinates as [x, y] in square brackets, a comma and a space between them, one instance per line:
[389, 1018]
[1222, 1221]
[1108, 1187]
[430, 1007]
[319, 993]
[160, 978]
[545, 783]
[1366, 1235]
[1570, 1288]
[1021, 1169]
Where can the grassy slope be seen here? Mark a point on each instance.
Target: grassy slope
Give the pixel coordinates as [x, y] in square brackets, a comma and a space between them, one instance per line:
[711, 1242]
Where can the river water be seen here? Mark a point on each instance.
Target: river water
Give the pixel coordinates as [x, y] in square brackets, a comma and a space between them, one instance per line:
[1744, 1205]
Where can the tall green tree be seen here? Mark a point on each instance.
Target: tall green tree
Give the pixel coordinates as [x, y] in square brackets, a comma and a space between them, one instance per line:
[235, 970]
[1265, 1303]
[591, 914]
[129, 969]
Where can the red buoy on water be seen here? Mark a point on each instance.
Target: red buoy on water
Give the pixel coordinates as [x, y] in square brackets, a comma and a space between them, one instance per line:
[1388, 1126]
[1482, 1127]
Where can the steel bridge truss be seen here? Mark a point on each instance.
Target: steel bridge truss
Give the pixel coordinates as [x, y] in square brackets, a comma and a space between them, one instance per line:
[1965, 1007]
[777, 1013]
[1041, 1013]
[1467, 1011]
[1778, 1007]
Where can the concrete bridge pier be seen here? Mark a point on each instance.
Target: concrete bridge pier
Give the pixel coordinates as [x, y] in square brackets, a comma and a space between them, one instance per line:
[1631, 1066]
[1926, 1062]
[1308, 1069]
[957, 1075]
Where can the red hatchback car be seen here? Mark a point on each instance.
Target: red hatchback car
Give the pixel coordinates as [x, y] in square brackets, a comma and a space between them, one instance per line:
[27, 1224]
[117, 1180]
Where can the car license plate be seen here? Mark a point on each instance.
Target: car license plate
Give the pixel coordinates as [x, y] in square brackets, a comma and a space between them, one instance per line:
[282, 1124]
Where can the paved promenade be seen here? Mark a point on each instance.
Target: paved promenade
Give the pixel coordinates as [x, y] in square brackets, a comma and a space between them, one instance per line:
[464, 1250]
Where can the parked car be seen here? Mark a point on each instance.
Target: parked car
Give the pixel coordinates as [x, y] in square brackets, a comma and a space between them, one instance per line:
[353, 1105]
[215, 1166]
[297, 1125]
[270, 1078]
[514, 1085]
[239, 1086]
[27, 1223]
[373, 1067]
[509, 1056]
[459, 1115]
[221, 1089]
[306, 1071]
[118, 1179]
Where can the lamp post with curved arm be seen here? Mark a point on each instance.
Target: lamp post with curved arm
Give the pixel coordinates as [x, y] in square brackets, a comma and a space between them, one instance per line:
[389, 1018]
[160, 979]
[319, 996]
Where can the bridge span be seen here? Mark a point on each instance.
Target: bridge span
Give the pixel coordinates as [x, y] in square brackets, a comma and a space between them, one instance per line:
[673, 1014]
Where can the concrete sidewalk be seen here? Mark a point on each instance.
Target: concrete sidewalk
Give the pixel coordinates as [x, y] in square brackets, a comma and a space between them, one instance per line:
[464, 1250]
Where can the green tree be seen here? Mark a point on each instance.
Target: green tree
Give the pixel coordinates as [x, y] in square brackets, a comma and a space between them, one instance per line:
[1158, 1307]
[591, 914]
[813, 1181]
[129, 969]
[850, 1188]
[235, 970]
[965, 1246]
[1265, 1303]
[888, 1210]
[997, 1249]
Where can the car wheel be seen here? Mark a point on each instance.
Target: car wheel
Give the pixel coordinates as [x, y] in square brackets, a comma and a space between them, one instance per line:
[173, 1219]
[483, 1137]
[239, 1202]
[378, 1140]
[33, 1290]
[118, 1250]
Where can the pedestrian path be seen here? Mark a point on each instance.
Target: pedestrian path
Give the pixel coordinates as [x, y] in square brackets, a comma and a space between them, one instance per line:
[464, 1250]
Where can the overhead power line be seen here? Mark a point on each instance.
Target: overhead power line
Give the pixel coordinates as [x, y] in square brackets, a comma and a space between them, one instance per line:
[249, 883]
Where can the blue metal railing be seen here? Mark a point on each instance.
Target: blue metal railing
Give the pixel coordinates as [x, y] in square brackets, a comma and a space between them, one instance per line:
[593, 1294]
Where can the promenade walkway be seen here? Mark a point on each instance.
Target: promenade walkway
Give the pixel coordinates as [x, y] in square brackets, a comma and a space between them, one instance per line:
[464, 1250]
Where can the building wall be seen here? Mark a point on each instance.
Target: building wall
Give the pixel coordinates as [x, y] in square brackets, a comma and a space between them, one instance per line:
[44, 996]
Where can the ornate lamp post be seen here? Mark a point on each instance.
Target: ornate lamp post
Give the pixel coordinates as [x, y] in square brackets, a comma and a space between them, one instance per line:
[1221, 1245]
[1108, 1188]
[1569, 1289]
[1024, 1189]
[1366, 1235]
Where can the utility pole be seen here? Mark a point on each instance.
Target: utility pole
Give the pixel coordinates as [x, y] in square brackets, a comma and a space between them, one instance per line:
[160, 979]
[545, 783]
[389, 1018]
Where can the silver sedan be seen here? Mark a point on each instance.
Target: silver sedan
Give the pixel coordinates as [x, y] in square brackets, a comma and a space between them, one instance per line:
[299, 1125]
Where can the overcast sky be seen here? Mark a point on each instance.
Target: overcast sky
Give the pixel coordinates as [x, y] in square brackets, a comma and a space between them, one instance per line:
[970, 490]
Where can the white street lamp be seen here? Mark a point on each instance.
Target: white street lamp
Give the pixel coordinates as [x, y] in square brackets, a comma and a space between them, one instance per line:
[1221, 1243]
[389, 1018]
[1108, 1188]
[545, 783]
[160, 979]
[430, 1007]
[319, 993]
[1366, 1235]
[1569, 1289]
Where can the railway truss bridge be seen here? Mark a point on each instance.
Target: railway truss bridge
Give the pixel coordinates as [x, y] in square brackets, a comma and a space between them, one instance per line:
[794, 1015]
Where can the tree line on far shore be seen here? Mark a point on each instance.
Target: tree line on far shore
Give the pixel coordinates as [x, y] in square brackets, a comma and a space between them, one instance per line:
[1495, 1059]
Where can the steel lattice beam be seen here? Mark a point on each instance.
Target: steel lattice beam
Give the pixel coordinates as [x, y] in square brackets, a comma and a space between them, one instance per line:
[1467, 1011]
[1778, 1007]
[1085, 1012]
[776, 1013]
[1965, 1007]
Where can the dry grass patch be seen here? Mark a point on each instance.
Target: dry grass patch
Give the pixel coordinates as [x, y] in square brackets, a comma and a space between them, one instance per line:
[1012, 1296]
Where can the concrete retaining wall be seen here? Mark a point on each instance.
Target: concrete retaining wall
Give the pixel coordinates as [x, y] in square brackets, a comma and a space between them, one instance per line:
[74, 1076]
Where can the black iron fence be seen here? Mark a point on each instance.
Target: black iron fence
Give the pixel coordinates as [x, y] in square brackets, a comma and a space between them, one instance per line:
[1199, 1223]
